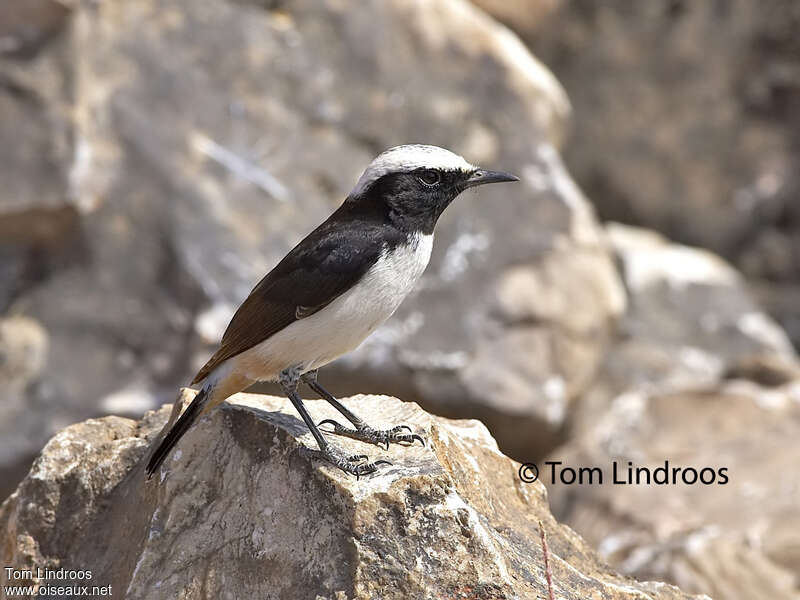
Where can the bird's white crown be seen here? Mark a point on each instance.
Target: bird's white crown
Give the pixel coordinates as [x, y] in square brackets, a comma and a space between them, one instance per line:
[408, 158]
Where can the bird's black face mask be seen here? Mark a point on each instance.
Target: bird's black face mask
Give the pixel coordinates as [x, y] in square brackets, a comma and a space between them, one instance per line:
[415, 200]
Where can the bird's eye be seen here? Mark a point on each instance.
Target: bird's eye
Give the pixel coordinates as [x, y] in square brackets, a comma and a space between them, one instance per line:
[430, 177]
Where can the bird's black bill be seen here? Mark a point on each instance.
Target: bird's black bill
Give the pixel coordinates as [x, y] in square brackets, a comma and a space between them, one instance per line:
[482, 176]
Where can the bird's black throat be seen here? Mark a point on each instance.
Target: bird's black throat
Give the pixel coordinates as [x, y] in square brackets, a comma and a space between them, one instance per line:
[405, 202]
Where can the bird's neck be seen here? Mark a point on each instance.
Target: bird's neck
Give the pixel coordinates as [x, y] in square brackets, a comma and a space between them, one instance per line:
[410, 218]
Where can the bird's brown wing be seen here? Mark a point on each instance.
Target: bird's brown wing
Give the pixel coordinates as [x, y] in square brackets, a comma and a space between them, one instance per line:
[315, 272]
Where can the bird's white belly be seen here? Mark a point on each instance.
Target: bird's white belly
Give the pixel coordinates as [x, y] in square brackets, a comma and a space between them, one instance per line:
[342, 325]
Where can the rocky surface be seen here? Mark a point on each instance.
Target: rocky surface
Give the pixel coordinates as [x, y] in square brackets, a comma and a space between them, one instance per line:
[159, 156]
[691, 320]
[737, 541]
[686, 120]
[23, 354]
[25, 25]
[173, 150]
[700, 377]
[240, 512]
[521, 15]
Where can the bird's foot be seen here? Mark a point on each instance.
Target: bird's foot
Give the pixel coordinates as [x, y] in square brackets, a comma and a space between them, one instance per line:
[355, 464]
[365, 433]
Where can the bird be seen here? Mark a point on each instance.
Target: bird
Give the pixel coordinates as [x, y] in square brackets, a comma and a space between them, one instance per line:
[331, 291]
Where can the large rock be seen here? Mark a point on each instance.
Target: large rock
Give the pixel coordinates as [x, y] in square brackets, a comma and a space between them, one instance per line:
[526, 16]
[719, 94]
[700, 377]
[782, 301]
[738, 540]
[687, 119]
[193, 143]
[23, 355]
[25, 25]
[38, 218]
[240, 512]
[688, 104]
[690, 318]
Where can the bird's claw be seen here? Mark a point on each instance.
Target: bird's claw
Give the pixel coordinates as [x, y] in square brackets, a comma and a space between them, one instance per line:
[354, 464]
[375, 436]
[355, 458]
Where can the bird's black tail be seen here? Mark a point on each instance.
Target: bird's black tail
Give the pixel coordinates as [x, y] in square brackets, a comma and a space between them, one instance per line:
[175, 433]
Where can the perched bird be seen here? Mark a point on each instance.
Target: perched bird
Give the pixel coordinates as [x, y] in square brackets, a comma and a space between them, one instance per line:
[335, 288]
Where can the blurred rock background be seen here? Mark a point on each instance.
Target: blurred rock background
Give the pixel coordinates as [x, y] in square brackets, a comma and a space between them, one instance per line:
[686, 120]
[158, 157]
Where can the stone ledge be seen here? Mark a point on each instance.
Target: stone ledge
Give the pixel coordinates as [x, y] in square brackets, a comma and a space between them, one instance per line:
[238, 512]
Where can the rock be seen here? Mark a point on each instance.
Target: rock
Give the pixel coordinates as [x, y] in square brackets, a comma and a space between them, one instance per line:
[25, 25]
[686, 120]
[23, 349]
[192, 157]
[240, 512]
[732, 541]
[782, 301]
[38, 220]
[688, 296]
[35, 160]
[521, 15]
[766, 370]
[690, 322]
[682, 383]
[23, 354]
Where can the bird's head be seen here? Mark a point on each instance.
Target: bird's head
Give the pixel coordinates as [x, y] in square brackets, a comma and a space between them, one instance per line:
[415, 183]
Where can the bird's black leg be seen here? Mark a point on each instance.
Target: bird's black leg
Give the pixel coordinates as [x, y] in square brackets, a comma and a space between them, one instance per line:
[356, 464]
[362, 431]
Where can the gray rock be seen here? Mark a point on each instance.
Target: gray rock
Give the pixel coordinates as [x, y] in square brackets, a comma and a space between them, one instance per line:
[782, 301]
[521, 15]
[24, 428]
[25, 25]
[700, 377]
[690, 321]
[736, 541]
[687, 119]
[38, 218]
[240, 512]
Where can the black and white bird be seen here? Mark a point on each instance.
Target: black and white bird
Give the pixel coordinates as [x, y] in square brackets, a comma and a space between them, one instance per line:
[335, 288]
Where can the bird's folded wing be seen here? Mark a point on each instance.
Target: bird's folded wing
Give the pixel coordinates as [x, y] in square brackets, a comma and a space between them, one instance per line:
[317, 271]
